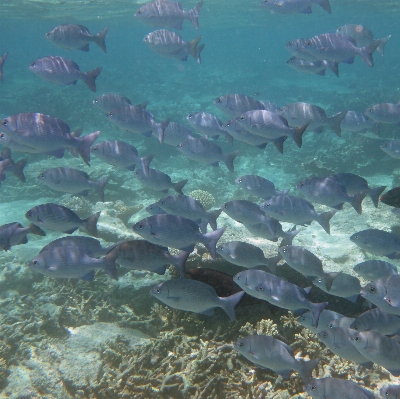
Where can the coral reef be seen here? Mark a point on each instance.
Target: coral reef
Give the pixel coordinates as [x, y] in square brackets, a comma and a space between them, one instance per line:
[204, 197]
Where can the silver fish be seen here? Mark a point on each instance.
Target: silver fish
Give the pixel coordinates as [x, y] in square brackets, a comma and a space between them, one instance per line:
[63, 71]
[384, 113]
[327, 319]
[377, 242]
[195, 296]
[265, 230]
[158, 181]
[155, 209]
[176, 232]
[317, 67]
[357, 122]
[73, 262]
[168, 14]
[60, 218]
[275, 355]
[294, 6]
[206, 152]
[375, 269]
[169, 44]
[377, 320]
[16, 168]
[12, 234]
[76, 37]
[175, 133]
[258, 186]
[74, 181]
[298, 49]
[2, 61]
[375, 292]
[207, 125]
[108, 102]
[392, 148]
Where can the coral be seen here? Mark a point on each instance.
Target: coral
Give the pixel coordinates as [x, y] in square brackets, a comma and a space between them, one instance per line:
[118, 209]
[204, 197]
[78, 204]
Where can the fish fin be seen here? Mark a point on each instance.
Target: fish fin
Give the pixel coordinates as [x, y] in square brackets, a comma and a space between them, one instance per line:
[70, 231]
[228, 160]
[77, 132]
[262, 146]
[287, 236]
[99, 186]
[285, 374]
[88, 276]
[308, 10]
[335, 121]
[193, 15]
[229, 303]
[325, 5]
[146, 134]
[23, 241]
[307, 289]
[2, 60]
[297, 135]
[184, 58]
[84, 193]
[348, 61]
[278, 143]
[131, 167]
[6, 153]
[382, 43]
[160, 128]
[33, 229]
[193, 48]
[18, 170]
[198, 52]
[215, 164]
[321, 72]
[271, 263]
[160, 270]
[100, 39]
[374, 194]
[210, 241]
[141, 105]
[90, 78]
[392, 256]
[203, 225]
[145, 162]
[305, 369]
[85, 48]
[328, 279]
[179, 186]
[353, 298]
[324, 218]
[84, 144]
[212, 217]
[316, 310]
[334, 67]
[339, 207]
[56, 153]
[189, 248]
[208, 312]
[366, 52]
[90, 224]
[110, 267]
[179, 261]
[356, 203]
[72, 83]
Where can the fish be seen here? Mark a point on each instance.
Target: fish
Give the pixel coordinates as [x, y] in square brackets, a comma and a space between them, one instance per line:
[258, 186]
[287, 208]
[155, 209]
[73, 262]
[377, 320]
[339, 48]
[168, 14]
[176, 232]
[294, 6]
[306, 263]
[234, 105]
[379, 349]
[158, 181]
[188, 207]
[60, 218]
[12, 234]
[265, 230]
[330, 192]
[362, 35]
[342, 285]
[16, 168]
[207, 125]
[60, 70]
[377, 242]
[297, 48]
[384, 113]
[144, 255]
[327, 319]
[108, 102]
[121, 154]
[169, 44]
[246, 255]
[137, 120]
[73, 181]
[358, 122]
[273, 354]
[391, 198]
[47, 134]
[195, 296]
[2, 61]
[206, 152]
[176, 133]
[375, 292]
[336, 388]
[270, 125]
[390, 392]
[356, 184]
[372, 270]
[317, 67]
[89, 244]
[76, 37]
[337, 339]
[392, 148]
[301, 113]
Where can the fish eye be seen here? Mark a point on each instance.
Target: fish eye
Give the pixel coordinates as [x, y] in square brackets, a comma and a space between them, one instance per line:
[325, 335]
[111, 114]
[221, 248]
[225, 206]
[181, 145]
[355, 328]
[238, 277]
[240, 180]
[94, 148]
[290, 43]
[2, 135]
[96, 101]
[355, 237]
[33, 64]
[35, 262]
[372, 289]
[261, 288]
[301, 185]
[357, 339]
[158, 291]
[309, 43]
[227, 125]
[162, 202]
[29, 214]
[140, 226]
[370, 110]
[313, 387]
[284, 250]
[5, 122]
[190, 116]
[242, 117]
[387, 393]
[241, 344]
[41, 176]
[139, 12]
[219, 100]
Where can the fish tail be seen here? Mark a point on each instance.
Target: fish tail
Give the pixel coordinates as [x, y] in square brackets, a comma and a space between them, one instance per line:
[325, 5]
[212, 218]
[305, 369]
[228, 160]
[2, 61]
[382, 43]
[328, 279]
[145, 162]
[109, 263]
[90, 78]
[33, 229]
[287, 236]
[160, 128]
[18, 170]
[374, 194]
[335, 121]
[333, 66]
[210, 241]
[278, 143]
[271, 263]
[193, 48]
[316, 310]
[297, 134]
[193, 14]
[324, 218]
[99, 186]
[4, 164]
[229, 303]
[179, 261]
[179, 186]
[84, 144]
[72, 150]
[100, 39]
[357, 200]
[366, 52]
[90, 224]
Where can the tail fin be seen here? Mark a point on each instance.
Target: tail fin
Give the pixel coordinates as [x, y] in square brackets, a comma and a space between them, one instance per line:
[179, 186]
[306, 368]
[100, 39]
[2, 61]
[199, 50]
[325, 5]
[382, 43]
[160, 128]
[145, 163]
[328, 279]
[272, 262]
[278, 143]
[374, 194]
[18, 170]
[193, 50]
[90, 78]
[212, 217]
[356, 202]
[90, 224]
[324, 218]
[288, 236]
[297, 135]
[193, 14]
[229, 303]
[316, 310]
[179, 262]
[99, 186]
[33, 229]
[333, 65]
[335, 121]
[228, 160]
[84, 144]
[109, 263]
[210, 241]
[366, 52]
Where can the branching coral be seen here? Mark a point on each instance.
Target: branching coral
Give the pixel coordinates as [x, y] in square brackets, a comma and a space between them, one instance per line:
[204, 197]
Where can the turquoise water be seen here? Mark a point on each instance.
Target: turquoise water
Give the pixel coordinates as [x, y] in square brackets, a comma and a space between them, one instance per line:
[244, 53]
